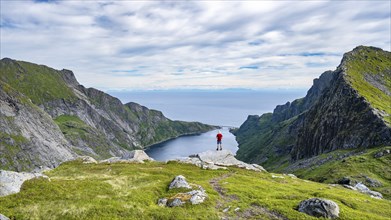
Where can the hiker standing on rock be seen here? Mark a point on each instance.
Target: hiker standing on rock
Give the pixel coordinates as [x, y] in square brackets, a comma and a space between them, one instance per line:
[219, 137]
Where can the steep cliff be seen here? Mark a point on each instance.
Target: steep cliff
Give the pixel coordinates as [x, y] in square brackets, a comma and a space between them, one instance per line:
[60, 113]
[348, 108]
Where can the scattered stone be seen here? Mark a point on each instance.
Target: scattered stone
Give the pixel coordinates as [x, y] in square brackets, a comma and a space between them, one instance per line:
[162, 202]
[275, 176]
[226, 209]
[197, 196]
[373, 182]
[87, 159]
[193, 197]
[382, 153]
[219, 160]
[179, 182]
[364, 189]
[236, 209]
[12, 181]
[319, 208]
[175, 202]
[292, 175]
[135, 156]
[344, 181]
[349, 187]
[3, 217]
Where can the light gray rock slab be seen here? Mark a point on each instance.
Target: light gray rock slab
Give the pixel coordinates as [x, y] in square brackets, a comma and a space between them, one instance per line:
[11, 182]
[179, 182]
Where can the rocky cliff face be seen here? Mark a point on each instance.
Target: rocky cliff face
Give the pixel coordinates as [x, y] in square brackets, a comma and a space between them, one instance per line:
[347, 108]
[59, 119]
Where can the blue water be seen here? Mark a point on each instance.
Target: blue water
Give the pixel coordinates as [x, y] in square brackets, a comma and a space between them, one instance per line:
[188, 145]
[224, 108]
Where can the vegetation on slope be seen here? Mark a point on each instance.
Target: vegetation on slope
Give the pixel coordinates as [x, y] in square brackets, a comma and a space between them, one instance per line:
[358, 167]
[40, 83]
[76, 131]
[369, 72]
[131, 191]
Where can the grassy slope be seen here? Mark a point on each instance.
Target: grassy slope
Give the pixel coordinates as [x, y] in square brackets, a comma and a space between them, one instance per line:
[367, 61]
[130, 191]
[75, 129]
[40, 83]
[354, 167]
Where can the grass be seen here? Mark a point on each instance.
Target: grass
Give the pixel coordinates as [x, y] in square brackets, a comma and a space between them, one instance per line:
[40, 83]
[369, 62]
[131, 191]
[355, 167]
[77, 130]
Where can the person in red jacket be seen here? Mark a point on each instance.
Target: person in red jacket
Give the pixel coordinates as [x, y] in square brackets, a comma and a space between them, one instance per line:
[219, 137]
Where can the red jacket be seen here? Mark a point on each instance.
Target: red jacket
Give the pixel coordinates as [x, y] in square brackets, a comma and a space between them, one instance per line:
[219, 137]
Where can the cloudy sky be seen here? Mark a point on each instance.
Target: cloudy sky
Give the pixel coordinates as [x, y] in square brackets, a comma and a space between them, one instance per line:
[138, 45]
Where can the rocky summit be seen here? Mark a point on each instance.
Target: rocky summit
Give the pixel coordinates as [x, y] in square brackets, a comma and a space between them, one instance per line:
[47, 117]
[348, 108]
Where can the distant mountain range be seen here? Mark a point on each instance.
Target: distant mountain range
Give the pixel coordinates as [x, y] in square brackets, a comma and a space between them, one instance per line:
[47, 117]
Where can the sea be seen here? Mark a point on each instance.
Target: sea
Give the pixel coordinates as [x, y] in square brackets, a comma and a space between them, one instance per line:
[227, 108]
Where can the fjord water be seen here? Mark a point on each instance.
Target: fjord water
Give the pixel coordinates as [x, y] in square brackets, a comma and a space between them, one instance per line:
[192, 144]
[223, 108]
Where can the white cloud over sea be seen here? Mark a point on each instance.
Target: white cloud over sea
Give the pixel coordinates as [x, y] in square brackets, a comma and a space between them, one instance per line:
[192, 44]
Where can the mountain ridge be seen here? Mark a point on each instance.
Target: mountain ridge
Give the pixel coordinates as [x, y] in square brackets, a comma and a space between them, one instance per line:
[92, 122]
[333, 115]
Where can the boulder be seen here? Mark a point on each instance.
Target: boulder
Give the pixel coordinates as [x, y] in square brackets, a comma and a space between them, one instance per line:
[175, 202]
[11, 182]
[162, 202]
[318, 207]
[179, 182]
[373, 182]
[218, 160]
[87, 159]
[197, 196]
[135, 156]
[3, 217]
[364, 189]
[344, 181]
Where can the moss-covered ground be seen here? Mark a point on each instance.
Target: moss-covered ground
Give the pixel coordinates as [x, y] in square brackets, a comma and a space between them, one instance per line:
[356, 167]
[131, 191]
[369, 63]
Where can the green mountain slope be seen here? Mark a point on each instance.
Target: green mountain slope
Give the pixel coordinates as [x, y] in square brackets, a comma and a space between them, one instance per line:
[347, 109]
[131, 191]
[90, 121]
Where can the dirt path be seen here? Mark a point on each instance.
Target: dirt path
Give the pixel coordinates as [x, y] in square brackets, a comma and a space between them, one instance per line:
[254, 212]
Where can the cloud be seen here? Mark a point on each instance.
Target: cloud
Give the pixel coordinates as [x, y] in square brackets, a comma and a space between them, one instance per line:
[196, 44]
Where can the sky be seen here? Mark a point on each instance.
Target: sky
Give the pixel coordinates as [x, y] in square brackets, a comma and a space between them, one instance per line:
[154, 45]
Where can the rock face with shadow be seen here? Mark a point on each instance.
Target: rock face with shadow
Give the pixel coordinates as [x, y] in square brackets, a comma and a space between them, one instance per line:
[348, 108]
[47, 117]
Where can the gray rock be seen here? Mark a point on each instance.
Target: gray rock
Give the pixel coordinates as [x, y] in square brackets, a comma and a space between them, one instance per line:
[179, 182]
[3, 217]
[175, 202]
[223, 158]
[344, 181]
[226, 209]
[197, 196]
[11, 182]
[349, 187]
[162, 202]
[373, 182]
[318, 207]
[135, 156]
[87, 159]
[364, 189]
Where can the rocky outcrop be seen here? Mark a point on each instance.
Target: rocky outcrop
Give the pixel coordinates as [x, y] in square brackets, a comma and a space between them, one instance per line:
[135, 156]
[29, 139]
[3, 217]
[348, 108]
[179, 182]
[318, 207]
[219, 160]
[11, 182]
[47, 117]
[193, 197]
